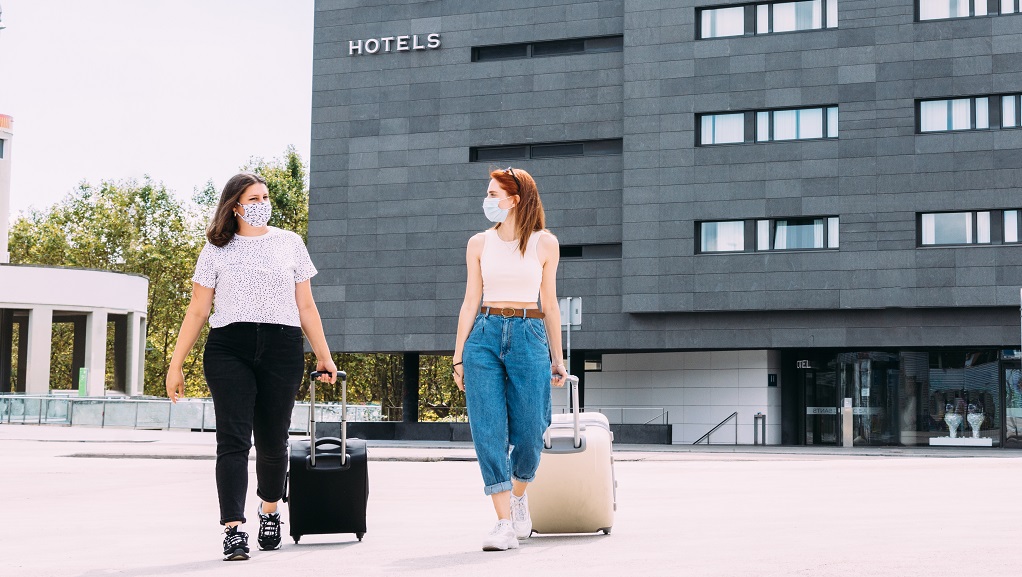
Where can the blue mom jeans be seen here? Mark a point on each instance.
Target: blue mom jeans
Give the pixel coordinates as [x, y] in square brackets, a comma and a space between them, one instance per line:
[507, 389]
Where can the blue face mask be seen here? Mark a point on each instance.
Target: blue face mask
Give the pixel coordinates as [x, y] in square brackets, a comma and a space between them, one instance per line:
[492, 210]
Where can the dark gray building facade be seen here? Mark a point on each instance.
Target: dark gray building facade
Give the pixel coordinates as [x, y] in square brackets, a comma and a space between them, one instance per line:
[765, 207]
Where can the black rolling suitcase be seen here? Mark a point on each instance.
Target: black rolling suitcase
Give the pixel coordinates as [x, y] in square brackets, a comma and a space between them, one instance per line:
[328, 480]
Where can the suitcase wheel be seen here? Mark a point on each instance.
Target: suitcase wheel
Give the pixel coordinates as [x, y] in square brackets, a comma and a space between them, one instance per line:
[360, 535]
[606, 531]
[297, 538]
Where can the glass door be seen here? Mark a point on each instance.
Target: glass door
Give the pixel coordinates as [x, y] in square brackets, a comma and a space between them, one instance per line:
[1011, 374]
[822, 414]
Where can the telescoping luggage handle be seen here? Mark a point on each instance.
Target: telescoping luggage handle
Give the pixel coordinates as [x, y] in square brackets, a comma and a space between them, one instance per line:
[578, 441]
[312, 415]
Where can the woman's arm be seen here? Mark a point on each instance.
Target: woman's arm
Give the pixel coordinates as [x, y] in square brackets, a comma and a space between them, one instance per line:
[470, 306]
[191, 326]
[312, 325]
[549, 253]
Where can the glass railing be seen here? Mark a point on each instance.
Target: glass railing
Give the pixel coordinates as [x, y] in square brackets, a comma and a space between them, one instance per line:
[150, 413]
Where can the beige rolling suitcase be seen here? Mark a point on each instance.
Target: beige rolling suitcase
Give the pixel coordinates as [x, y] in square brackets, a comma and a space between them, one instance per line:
[574, 490]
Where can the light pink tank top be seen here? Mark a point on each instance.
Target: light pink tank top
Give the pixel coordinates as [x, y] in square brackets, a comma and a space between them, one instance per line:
[507, 275]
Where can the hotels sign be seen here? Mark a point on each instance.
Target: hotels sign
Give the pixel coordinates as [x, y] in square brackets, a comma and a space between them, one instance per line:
[406, 43]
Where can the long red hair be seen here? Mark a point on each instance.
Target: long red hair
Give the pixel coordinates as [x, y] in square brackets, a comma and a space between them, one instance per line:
[529, 215]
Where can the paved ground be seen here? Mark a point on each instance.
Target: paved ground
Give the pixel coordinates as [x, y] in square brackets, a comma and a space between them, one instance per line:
[90, 503]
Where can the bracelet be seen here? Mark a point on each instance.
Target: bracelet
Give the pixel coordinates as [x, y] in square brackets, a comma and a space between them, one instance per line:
[456, 364]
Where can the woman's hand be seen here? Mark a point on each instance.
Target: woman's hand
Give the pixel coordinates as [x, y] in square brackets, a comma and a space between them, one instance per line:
[558, 374]
[326, 366]
[175, 384]
[458, 372]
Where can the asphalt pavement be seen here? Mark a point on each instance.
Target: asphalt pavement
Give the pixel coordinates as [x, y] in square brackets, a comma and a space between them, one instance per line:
[96, 502]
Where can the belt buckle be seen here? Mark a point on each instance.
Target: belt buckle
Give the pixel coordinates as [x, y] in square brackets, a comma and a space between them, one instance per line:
[507, 312]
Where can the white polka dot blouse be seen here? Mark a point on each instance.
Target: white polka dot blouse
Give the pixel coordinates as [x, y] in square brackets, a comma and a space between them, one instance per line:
[254, 277]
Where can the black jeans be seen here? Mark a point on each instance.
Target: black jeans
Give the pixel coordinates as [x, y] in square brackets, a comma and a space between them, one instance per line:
[253, 371]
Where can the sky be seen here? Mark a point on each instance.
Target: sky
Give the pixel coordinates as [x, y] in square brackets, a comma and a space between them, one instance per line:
[185, 91]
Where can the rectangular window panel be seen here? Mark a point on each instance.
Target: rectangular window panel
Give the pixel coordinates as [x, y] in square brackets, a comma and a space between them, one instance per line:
[832, 122]
[607, 44]
[980, 7]
[833, 224]
[831, 13]
[938, 9]
[554, 150]
[762, 235]
[501, 52]
[1011, 226]
[1007, 6]
[762, 126]
[982, 113]
[810, 123]
[791, 16]
[933, 115]
[961, 114]
[602, 147]
[501, 153]
[763, 19]
[794, 234]
[722, 236]
[558, 47]
[1009, 116]
[785, 125]
[723, 22]
[983, 227]
[722, 128]
[947, 228]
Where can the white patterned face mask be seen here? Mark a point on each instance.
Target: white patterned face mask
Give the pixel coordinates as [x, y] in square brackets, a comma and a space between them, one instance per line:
[257, 214]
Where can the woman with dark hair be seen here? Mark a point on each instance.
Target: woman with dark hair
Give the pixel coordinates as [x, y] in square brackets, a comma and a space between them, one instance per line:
[508, 351]
[257, 276]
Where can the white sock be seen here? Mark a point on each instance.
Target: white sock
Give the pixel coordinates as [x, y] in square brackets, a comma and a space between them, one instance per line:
[517, 498]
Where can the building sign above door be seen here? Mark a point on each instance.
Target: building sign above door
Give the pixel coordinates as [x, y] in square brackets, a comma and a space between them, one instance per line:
[405, 43]
[805, 364]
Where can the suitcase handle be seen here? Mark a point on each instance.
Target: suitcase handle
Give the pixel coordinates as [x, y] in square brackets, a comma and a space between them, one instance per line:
[574, 409]
[312, 415]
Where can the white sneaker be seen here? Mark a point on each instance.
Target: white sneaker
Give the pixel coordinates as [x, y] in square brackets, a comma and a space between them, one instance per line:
[520, 516]
[501, 538]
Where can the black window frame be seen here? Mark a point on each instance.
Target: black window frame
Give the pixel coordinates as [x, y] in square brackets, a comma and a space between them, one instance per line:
[993, 9]
[772, 233]
[587, 148]
[993, 113]
[996, 228]
[589, 45]
[751, 126]
[751, 16]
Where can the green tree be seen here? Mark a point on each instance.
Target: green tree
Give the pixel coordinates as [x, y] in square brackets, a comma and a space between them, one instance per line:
[126, 227]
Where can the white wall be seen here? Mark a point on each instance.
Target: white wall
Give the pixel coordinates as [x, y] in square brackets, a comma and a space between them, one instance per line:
[698, 389]
[6, 134]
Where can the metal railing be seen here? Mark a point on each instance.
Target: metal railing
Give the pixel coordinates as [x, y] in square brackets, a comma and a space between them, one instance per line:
[429, 414]
[734, 416]
[630, 415]
[150, 413]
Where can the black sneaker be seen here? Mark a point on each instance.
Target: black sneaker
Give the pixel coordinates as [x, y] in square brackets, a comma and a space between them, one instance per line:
[235, 544]
[269, 531]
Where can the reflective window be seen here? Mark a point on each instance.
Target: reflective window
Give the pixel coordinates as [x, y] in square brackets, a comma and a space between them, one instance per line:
[545, 150]
[723, 22]
[548, 48]
[1011, 225]
[769, 18]
[1010, 111]
[727, 236]
[955, 228]
[954, 114]
[942, 9]
[805, 233]
[801, 124]
[722, 128]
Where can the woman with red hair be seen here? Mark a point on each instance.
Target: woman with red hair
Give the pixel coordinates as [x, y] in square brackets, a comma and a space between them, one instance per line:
[508, 350]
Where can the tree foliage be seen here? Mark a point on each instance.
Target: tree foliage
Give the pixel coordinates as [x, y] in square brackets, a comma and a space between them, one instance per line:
[142, 228]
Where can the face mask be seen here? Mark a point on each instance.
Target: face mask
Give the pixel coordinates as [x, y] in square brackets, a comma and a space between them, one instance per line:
[257, 214]
[493, 212]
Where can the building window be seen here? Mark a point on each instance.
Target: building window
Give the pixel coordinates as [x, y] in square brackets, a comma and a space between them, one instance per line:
[724, 236]
[943, 9]
[610, 146]
[954, 114]
[1011, 225]
[767, 18]
[941, 228]
[1010, 111]
[2, 142]
[806, 233]
[548, 48]
[768, 125]
[590, 251]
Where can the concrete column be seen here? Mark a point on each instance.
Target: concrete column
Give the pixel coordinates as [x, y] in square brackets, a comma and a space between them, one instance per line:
[40, 341]
[95, 354]
[135, 355]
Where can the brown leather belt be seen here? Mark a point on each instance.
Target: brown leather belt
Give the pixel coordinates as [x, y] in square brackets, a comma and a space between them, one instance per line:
[508, 312]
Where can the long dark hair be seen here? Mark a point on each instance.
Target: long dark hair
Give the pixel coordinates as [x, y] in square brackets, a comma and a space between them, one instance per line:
[223, 226]
[529, 215]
